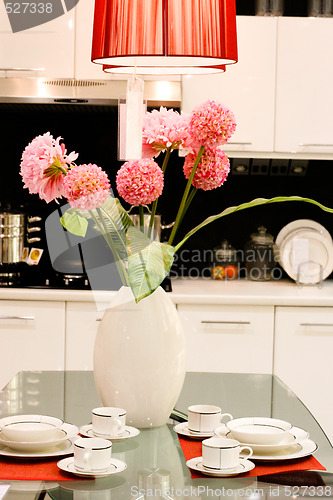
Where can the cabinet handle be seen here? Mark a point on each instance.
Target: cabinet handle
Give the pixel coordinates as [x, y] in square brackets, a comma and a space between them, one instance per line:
[316, 145]
[317, 324]
[18, 317]
[240, 143]
[22, 69]
[206, 322]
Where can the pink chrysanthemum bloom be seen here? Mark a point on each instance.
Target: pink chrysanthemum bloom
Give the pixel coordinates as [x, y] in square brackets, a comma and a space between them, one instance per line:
[140, 182]
[212, 124]
[86, 186]
[44, 163]
[212, 171]
[162, 129]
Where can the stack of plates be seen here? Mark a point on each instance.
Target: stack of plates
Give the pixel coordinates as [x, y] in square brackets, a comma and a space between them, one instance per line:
[305, 251]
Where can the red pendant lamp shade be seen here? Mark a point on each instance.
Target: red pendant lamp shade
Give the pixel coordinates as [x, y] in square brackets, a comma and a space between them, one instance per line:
[164, 36]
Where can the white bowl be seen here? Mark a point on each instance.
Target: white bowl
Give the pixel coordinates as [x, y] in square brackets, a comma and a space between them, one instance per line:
[258, 430]
[66, 432]
[30, 428]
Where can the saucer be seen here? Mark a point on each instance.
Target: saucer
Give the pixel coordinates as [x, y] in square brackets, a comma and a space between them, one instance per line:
[183, 429]
[67, 431]
[129, 432]
[196, 464]
[64, 448]
[67, 465]
[296, 435]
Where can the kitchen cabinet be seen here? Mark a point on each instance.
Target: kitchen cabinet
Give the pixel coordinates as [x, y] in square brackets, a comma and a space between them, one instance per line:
[32, 337]
[46, 50]
[228, 338]
[247, 88]
[303, 358]
[304, 98]
[84, 68]
[82, 322]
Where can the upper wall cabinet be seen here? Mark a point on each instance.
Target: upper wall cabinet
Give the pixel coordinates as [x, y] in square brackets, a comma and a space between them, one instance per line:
[247, 88]
[304, 98]
[44, 50]
[84, 18]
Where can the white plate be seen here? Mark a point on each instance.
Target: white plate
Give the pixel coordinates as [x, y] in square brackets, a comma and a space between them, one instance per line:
[299, 450]
[196, 464]
[67, 431]
[295, 436]
[129, 432]
[301, 224]
[64, 448]
[67, 465]
[320, 251]
[183, 430]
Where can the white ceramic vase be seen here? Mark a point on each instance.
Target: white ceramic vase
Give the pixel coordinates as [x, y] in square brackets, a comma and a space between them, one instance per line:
[139, 357]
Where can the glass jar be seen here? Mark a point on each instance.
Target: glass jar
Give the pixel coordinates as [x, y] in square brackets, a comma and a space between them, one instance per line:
[225, 263]
[260, 259]
[269, 7]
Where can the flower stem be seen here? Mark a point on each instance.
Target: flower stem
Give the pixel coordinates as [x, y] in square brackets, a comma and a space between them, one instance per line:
[154, 206]
[142, 219]
[188, 202]
[185, 195]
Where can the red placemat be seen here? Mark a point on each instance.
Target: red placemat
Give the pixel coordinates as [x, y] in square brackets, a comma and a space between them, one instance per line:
[35, 470]
[192, 449]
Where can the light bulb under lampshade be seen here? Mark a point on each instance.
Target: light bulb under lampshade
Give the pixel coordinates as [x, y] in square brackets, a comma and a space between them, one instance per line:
[165, 70]
[164, 36]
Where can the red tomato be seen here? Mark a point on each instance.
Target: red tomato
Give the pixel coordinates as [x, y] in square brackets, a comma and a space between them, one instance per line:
[231, 271]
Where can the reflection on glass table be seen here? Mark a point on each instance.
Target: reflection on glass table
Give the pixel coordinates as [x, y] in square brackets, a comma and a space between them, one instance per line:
[155, 462]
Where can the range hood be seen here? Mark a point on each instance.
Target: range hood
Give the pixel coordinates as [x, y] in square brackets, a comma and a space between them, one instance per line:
[84, 92]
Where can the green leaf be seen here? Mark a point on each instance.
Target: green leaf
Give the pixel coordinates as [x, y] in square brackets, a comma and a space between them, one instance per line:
[149, 262]
[243, 206]
[74, 222]
[113, 222]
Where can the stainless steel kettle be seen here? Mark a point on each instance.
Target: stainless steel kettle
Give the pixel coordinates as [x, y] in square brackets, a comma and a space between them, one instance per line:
[157, 227]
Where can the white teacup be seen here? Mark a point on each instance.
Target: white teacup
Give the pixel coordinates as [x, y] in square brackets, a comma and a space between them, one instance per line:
[222, 453]
[204, 418]
[108, 421]
[92, 454]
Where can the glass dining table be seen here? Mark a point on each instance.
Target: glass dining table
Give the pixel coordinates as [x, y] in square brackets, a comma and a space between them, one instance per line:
[156, 466]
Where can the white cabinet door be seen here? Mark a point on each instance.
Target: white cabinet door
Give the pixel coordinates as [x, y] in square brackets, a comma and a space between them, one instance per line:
[303, 358]
[32, 337]
[228, 338]
[304, 98]
[82, 322]
[84, 68]
[247, 87]
[47, 50]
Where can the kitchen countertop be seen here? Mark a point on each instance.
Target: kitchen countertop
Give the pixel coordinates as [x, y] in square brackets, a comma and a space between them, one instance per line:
[201, 291]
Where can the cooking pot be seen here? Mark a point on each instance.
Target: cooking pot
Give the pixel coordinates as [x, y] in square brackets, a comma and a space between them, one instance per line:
[12, 230]
[157, 227]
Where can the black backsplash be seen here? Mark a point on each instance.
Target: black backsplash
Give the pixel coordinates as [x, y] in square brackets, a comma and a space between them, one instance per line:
[92, 132]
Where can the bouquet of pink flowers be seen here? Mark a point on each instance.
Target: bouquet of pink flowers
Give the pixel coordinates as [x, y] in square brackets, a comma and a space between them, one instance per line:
[143, 263]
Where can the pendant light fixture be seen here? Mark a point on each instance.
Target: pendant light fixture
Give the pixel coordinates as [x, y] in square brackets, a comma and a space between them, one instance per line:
[164, 36]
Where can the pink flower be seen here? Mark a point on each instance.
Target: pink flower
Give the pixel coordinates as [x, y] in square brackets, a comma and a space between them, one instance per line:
[140, 182]
[43, 165]
[212, 124]
[163, 129]
[86, 186]
[212, 170]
